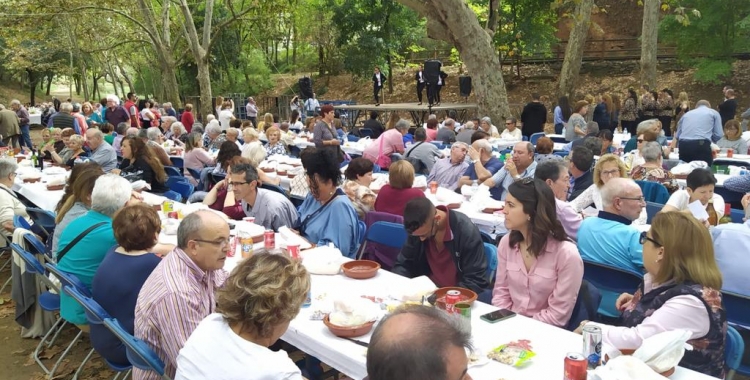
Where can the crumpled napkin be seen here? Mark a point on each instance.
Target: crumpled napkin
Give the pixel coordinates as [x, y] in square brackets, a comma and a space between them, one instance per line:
[353, 311]
[687, 168]
[664, 350]
[322, 260]
[140, 184]
[624, 368]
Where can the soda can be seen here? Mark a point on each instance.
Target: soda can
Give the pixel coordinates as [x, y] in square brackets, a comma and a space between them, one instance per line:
[232, 246]
[730, 153]
[293, 250]
[433, 187]
[452, 297]
[173, 215]
[592, 345]
[167, 206]
[269, 240]
[575, 366]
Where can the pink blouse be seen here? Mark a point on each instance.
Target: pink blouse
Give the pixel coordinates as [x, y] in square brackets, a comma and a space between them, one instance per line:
[548, 291]
[197, 159]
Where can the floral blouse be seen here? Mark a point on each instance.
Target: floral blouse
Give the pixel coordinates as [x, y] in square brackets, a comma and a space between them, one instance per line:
[629, 111]
[278, 148]
[641, 173]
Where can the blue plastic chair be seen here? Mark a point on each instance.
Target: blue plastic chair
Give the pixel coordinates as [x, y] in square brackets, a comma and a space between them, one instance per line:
[734, 198]
[172, 171]
[42, 218]
[733, 351]
[585, 307]
[68, 279]
[486, 238]
[561, 153]
[439, 144]
[20, 222]
[737, 215]
[654, 191]
[535, 137]
[184, 188]
[651, 210]
[275, 188]
[172, 180]
[178, 163]
[366, 132]
[611, 282]
[362, 230]
[196, 174]
[141, 356]
[388, 234]
[491, 252]
[173, 195]
[352, 138]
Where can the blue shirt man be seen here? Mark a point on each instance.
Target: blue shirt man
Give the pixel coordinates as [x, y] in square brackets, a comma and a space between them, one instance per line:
[701, 123]
[731, 245]
[485, 164]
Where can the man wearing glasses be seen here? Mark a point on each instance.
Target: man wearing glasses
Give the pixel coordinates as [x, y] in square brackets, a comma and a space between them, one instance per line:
[609, 238]
[521, 166]
[179, 293]
[443, 245]
[271, 210]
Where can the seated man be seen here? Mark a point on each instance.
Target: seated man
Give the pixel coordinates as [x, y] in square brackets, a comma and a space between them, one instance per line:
[447, 133]
[555, 175]
[609, 238]
[580, 167]
[418, 343]
[422, 154]
[444, 245]
[94, 236]
[521, 166]
[101, 152]
[448, 171]
[179, 293]
[731, 245]
[483, 166]
[271, 209]
[10, 205]
[700, 186]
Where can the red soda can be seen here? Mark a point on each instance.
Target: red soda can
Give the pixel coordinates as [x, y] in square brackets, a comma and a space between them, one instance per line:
[575, 366]
[172, 215]
[232, 245]
[452, 297]
[730, 153]
[293, 250]
[269, 240]
[433, 187]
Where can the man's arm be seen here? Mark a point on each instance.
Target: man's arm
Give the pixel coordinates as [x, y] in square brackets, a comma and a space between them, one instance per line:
[717, 131]
[472, 258]
[406, 261]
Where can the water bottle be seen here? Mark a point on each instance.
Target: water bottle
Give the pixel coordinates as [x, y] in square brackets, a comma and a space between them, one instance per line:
[474, 186]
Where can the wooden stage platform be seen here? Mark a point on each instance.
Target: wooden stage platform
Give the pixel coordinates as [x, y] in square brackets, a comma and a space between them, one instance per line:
[418, 113]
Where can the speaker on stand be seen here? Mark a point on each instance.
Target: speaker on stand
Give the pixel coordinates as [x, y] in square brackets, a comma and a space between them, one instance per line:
[305, 87]
[464, 87]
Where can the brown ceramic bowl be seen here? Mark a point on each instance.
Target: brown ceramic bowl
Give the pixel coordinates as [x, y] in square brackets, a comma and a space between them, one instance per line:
[666, 373]
[281, 172]
[32, 180]
[680, 176]
[55, 187]
[291, 175]
[360, 269]
[467, 296]
[348, 332]
[19, 159]
[453, 206]
[268, 170]
[491, 210]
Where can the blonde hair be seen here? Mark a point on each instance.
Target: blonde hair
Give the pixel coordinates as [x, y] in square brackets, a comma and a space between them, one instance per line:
[263, 292]
[254, 152]
[688, 250]
[250, 135]
[401, 174]
[607, 158]
[78, 139]
[266, 123]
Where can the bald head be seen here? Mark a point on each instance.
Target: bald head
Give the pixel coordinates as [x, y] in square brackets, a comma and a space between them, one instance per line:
[622, 196]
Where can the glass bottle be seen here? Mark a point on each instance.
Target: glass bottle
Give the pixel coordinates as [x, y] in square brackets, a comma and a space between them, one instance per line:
[727, 218]
[713, 217]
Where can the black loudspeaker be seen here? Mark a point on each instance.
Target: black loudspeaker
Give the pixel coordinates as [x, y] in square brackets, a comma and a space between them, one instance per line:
[305, 87]
[464, 85]
[432, 70]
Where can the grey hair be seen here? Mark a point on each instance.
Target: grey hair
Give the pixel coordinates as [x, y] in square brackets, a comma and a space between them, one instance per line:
[166, 119]
[189, 227]
[15, 102]
[66, 107]
[113, 98]
[132, 131]
[469, 125]
[651, 151]
[529, 146]
[122, 128]
[95, 132]
[461, 144]
[111, 193]
[402, 125]
[449, 122]
[233, 131]
[702, 102]
[251, 133]
[153, 133]
[167, 104]
[646, 125]
[483, 144]
[487, 120]
[213, 128]
[180, 126]
[614, 188]
[254, 152]
[592, 127]
[210, 117]
[432, 117]
[251, 174]
[7, 167]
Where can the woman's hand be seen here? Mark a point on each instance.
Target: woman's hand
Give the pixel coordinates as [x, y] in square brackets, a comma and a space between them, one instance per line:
[334, 142]
[579, 330]
[115, 171]
[623, 301]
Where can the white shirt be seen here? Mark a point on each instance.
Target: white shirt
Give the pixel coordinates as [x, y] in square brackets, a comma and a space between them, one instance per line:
[225, 116]
[515, 135]
[311, 104]
[215, 352]
[680, 200]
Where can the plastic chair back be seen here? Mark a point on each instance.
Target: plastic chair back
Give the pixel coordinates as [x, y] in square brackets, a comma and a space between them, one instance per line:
[32, 264]
[737, 308]
[733, 350]
[95, 313]
[185, 189]
[196, 174]
[561, 153]
[20, 222]
[177, 162]
[35, 243]
[535, 137]
[68, 279]
[385, 240]
[654, 191]
[366, 132]
[486, 238]
[652, 209]
[138, 352]
[173, 195]
[43, 218]
[491, 252]
[171, 180]
[611, 282]
[585, 307]
[172, 171]
[362, 229]
[558, 139]
[737, 215]
[275, 188]
[352, 138]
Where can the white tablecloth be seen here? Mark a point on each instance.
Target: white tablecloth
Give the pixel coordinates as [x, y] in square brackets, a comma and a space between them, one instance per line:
[501, 144]
[35, 118]
[739, 159]
[550, 343]
[493, 224]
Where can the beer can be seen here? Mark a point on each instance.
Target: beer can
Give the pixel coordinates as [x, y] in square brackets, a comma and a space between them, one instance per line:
[592, 345]
[730, 153]
[452, 297]
[269, 240]
[293, 250]
[232, 246]
[575, 366]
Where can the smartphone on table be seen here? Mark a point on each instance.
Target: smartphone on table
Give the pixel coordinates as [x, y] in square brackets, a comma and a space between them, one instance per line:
[497, 315]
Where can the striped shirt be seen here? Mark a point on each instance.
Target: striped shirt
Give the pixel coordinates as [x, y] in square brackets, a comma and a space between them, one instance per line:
[172, 302]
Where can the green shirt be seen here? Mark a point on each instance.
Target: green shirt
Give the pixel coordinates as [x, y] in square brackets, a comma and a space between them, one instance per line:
[110, 138]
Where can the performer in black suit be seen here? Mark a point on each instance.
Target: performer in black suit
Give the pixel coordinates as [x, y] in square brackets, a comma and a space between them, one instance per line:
[420, 83]
[377, 84]
[440, 84]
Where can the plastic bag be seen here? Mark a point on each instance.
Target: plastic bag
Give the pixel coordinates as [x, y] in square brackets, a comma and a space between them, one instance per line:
[513, 353]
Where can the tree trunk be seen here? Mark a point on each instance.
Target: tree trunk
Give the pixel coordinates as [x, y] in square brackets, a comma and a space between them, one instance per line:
[49, 82]
[83, 81]
[390, 73]
[574, 50]
[204, 83]
[95, 87]
[649, 37]
[33, 79]
[453, 21]
[321, 61]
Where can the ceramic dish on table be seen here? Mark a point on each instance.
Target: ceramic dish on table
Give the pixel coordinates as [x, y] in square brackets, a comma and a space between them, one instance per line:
[467, 296]
[348, 331]
[360, 269]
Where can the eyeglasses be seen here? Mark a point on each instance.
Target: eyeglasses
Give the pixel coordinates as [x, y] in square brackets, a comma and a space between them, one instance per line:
[223, 243]
[238, 183]
[644, 237]
[611, 172]
[640, 199]
[639, 141]
[508, 123]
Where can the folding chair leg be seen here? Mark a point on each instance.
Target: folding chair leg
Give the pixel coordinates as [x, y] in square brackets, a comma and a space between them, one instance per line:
[362, 250]
[51, 374]
[57, 326]
[83, 363]
[2, 289]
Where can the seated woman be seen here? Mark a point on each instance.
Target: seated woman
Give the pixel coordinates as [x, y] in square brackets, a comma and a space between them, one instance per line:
[249, 136]
[179, 134]
[47, 138]
[75, 150]
[544, 148]
[539, 269]
[392, 197]
[733, 138]
[680, 291]
[255, 154]
[357, 185]
[275, 145]
[196, 158]
[121, 274]
[700, 186]
[652, 170]
[76, 201]
[635, 157]
[10, 205]
[140, 162]
[254, 308]
[388, 146]
[327, 215]
[227, 151]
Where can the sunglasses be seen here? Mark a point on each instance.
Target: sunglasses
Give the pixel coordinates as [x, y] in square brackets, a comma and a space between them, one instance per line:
[644, 237]
[639, 141]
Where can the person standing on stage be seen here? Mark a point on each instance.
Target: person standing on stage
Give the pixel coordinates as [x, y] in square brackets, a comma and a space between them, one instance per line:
[420, 83]
[377, 84]
[440, 84]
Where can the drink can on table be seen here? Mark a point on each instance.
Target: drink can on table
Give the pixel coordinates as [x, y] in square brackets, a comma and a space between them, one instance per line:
[269, 240]
[452, 297]
[730, 153]
[173, 215]
[575, 366]
[293, 250]
[592, 345]
[433, 187]
[246, 242]
[232, 245]
[167, 206]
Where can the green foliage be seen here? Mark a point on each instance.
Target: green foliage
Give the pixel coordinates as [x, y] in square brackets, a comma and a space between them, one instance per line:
[712, 71]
